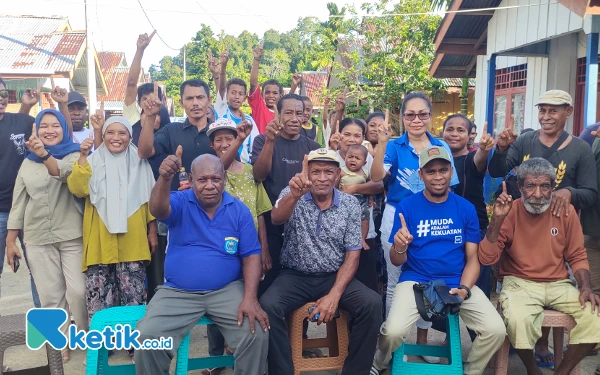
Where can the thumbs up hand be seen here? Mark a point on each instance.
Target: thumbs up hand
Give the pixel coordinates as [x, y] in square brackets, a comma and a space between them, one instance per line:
[170, 166]
[403, 237]
[300, 184]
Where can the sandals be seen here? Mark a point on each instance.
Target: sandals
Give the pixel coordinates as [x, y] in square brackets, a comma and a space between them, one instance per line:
[541, 361]
[6, 369]
[212, 371]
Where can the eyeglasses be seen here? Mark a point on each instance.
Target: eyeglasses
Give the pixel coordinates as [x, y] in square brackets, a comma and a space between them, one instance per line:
[3, 94]
[412, 116]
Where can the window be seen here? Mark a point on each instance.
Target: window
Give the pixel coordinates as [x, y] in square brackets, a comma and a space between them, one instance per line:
[510, 88]
[12, 97]
[578, 116]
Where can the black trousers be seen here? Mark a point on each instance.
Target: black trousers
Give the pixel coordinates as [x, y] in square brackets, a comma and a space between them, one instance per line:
[155, 272]
[275, 241]
[367, 268]
[292, 289]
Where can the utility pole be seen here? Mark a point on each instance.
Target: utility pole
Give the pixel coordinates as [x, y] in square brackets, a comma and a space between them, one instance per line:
[184, 72]
[91, 64]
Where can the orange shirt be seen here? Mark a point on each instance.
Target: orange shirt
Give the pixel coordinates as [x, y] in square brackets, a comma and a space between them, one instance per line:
[536, 247]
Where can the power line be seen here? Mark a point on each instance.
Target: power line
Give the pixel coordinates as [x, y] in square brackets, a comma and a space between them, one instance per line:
[154, 28]
[210, 15]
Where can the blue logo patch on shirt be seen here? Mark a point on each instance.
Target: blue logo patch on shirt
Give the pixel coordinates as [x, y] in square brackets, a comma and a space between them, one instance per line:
[231, 245]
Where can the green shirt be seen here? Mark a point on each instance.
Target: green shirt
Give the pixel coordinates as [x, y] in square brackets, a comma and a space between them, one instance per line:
[590, 216]
[244, 187]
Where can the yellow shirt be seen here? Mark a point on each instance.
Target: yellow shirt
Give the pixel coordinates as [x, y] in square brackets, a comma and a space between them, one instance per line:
[99, 245]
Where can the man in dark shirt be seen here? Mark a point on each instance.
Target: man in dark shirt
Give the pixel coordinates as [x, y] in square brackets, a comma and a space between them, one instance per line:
[15, 129]
[588, 134]
[573, 160]
[277, 156]
[320, 255]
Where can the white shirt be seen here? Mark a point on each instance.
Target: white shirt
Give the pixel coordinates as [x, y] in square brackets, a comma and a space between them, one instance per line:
[81, 135]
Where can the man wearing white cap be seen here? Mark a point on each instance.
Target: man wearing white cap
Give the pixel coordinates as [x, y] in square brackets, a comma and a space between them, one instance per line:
[571, 157]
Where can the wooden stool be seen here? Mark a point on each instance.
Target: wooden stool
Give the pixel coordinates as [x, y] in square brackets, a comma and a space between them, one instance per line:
[336, 341]
[12, 333]
[554, 319]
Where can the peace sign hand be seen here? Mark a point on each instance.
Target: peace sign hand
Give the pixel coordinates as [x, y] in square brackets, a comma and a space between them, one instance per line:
[300, 184]
[503, 203]
[86, 146]
[403, 237]
[35, 145]
[486, 142]
[384, 132]
[508, 136]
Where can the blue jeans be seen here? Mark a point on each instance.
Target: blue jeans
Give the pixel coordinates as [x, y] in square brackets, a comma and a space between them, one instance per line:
[3, 233]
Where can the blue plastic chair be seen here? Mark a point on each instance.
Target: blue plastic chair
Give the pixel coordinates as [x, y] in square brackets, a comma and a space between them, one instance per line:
[97, 360]
[452, 352]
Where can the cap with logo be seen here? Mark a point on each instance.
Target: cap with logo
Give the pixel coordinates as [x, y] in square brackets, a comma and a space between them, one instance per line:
[433, 153]
[555, 97]
[75, 97]
[323, 154]
[221, 124]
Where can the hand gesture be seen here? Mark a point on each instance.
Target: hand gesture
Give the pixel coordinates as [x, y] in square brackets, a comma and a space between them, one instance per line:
[587, 295]
[31, 97]
[170, 166]
[86, 146]
[258, 51]
[327, 101]
[35, 145]
[384, 131]
[251, 308]
[326, 307]
[486, 142]
[213, 65]
[508, 136]
[224, 57]
[297, 79]
[561, 199]
[60, 96]
[152, 105]
[334, 141]
[503, 203]
[403, 237]
[244, 128]
[300, 184]
[340, 101]
[11, 251]
[97, 119]
[144, 40]
[274, 127]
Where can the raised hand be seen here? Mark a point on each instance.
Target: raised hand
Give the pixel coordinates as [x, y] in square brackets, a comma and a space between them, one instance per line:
[97, 119]
[503, 203]
[300, 184]
[327, 100]
[224, 57]
[403, 237]
[508, 136]
[61, 96]
[274, 127]
[340, 101]
[213, 64]
[144, 40]
[170, 166]
[86, 146]
[244, 128]
[258, 51]
[486, 142]
[297, 79]
[384, 131]
[151, 105]
[35, 145]
[334, 141]
[31, 97]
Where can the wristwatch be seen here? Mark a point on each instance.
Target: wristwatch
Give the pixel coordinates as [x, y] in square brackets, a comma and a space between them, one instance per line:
[48, 155]
[463, 287]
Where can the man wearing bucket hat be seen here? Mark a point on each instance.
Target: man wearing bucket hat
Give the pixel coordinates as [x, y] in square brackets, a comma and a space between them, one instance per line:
[571, 157]
[320, 255]
[435, 236]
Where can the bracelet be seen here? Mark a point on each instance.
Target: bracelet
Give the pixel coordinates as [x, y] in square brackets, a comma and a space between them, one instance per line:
[44, 158]
[255, 59]
[400, 252]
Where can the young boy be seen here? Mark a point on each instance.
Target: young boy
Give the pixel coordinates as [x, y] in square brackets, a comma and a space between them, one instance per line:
[355, 173]
[235, 93]
[309, 129]
[263, 106]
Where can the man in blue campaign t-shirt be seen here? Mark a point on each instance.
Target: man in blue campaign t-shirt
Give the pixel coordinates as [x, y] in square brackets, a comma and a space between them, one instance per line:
[212, 244]
[436, 236]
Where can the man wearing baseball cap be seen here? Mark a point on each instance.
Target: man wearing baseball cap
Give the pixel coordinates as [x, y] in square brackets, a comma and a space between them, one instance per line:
[320, 255]
[79, 116]
[435, 236]
[571, 157]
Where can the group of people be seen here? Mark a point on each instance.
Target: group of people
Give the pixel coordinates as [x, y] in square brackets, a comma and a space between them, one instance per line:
[265, 219]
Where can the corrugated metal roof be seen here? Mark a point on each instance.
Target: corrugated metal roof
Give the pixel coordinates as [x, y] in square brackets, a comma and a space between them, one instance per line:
[313, 84]
[109, 60]
[457, 82]
[116, 84]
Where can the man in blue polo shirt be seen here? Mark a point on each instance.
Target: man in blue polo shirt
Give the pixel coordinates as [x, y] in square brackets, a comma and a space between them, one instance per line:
[212, 244]
[435, 236]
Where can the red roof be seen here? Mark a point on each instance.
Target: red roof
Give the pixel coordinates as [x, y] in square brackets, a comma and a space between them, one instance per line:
[313, 84]
[116, 83]
[109, 60]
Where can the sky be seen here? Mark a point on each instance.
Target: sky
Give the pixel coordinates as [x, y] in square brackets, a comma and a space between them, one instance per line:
[116, 24]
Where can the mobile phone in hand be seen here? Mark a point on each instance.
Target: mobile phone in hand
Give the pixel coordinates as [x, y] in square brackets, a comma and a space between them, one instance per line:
[317, 315]
[16, 263]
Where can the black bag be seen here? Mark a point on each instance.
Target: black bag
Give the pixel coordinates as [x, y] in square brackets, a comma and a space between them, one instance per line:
[441, 302]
